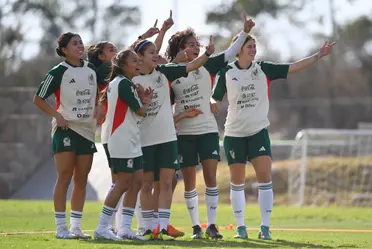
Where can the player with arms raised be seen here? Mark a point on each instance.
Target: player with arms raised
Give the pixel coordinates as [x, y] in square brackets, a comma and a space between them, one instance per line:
[246, 83]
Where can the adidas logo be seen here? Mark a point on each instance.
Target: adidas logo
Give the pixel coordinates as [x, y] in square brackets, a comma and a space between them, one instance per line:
[177, 82]
[235, 79]
[215, 152]
[262, 149]
[72, 81]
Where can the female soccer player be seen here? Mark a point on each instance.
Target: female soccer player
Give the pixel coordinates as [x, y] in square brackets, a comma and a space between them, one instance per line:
[246, 134]
[74, 85]
[198, 138]
[124, 109]
[158, 135]
[100, 55]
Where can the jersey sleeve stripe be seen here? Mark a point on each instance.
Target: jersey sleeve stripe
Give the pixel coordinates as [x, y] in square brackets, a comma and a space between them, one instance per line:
[45, 86]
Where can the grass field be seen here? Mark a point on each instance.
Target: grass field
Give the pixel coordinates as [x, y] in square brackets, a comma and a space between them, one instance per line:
[30, 224]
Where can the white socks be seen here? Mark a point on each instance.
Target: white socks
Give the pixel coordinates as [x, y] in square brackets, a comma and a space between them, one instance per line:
[75, 219]
[237, 197]
[211, 200]
[265, 200]
[192, 203]
[105, 218]
[164, 216]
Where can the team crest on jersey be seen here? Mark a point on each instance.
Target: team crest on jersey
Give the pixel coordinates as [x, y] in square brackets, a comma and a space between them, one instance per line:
[91, 80]
[66, 142]
[254, 74]
[197, 74]
[159, 82]
[130, 163]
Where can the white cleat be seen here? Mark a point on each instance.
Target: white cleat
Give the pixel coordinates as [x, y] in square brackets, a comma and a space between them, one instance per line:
[141, 231]
[127, 233]
[105, 233]
[79, 233]
[64, 233]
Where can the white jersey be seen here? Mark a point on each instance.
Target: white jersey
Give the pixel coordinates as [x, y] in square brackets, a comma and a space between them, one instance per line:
[194, 91]
[158, 126]
[123, 122]
[248, 95]
[75, 90]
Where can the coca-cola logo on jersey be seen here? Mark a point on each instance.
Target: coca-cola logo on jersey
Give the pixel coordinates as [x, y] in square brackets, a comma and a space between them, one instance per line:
[83, 92]
[191, 89]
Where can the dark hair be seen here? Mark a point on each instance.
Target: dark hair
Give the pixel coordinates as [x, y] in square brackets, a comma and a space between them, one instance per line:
[177, 42]
[63, 41]
[140, 46]
[94, 51]
[116, 69]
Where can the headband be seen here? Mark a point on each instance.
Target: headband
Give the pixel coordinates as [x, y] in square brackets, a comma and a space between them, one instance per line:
[141, 45]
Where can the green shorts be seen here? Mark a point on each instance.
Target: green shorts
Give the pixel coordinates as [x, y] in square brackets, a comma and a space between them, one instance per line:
[105, 147]
[243, 149]
[164, 155]
[195, 148]
[70, 141]
[127, 165]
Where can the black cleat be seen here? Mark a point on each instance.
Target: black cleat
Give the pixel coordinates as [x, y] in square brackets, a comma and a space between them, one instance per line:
[197, 232]
[213, 233]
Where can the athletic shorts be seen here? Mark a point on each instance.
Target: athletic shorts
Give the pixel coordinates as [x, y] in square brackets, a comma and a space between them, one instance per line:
[193, 149]
[126, 165]
[70, 141]
[164, 155]
[243, 149]
[105, 147]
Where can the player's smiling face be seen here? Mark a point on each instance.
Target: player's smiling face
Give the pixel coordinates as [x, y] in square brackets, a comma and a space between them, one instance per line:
[132, 65]
[109, 52]
[74, 48]
[248, 51]
[193, 47]
[150, 57]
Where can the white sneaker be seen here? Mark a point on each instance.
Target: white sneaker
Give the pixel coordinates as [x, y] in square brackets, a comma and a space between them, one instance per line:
[127, 233]
[79, 233]
[112, 228]
[141, 231]
[105, 233]
[64, 233]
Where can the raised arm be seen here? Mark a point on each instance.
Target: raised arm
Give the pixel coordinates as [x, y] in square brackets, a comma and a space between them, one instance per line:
[324, 50]
[149, 33]
[166, 25]
[201, 60]
[234, 48]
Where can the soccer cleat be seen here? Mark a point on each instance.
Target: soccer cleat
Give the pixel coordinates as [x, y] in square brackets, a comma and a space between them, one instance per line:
[112, 228]
[141, 231]
[242, 233]
[64, 233]
[197, 232]
[174, 232]
[156, 232]
[148, 235]
[105, 234]
[79, 233]
[264, 233]
[212, 232]
[127, 233]
[163, 235]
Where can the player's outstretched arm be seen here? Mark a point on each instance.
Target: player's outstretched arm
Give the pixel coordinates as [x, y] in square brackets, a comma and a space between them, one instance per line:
[166, 26]
[324, 50]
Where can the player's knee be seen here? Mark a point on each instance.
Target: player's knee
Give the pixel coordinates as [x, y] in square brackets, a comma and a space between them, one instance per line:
[147, 186]
[80, 182]
[166, 185]
[64, 179]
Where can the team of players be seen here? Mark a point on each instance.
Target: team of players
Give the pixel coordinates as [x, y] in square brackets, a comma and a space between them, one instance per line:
[147, 142]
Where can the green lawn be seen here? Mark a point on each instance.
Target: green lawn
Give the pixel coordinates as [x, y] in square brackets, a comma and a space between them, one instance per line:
[18, 216]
